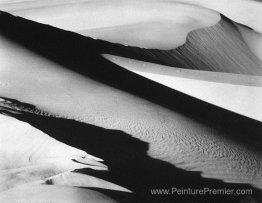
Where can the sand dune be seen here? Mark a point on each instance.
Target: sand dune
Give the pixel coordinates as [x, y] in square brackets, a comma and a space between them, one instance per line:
[253, 40]
[169, 25]
[28, 154]
[71, 96]
[237, 10]
[168, 28]
[223, 40]
[240, 98]
[173, 136]
[127, 22]
[47, 193]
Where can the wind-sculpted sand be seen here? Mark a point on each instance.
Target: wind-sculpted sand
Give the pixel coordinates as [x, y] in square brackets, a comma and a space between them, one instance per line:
[127, 22]
[173, 136]
[240, 94]
[67, 99]
[28, 154]
[170, 21]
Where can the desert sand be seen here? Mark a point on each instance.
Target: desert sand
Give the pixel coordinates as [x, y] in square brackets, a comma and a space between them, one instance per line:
[126, 22]
[238, 94]
[178, 17]
[83, 120]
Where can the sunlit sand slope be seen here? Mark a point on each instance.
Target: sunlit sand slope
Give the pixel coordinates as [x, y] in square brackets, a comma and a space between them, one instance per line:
[162, 25]
[126, 22]
[240, 94]
[175, 134]
[28, 155]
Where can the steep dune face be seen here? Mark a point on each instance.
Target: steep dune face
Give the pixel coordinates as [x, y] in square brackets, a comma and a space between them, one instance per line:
[237, 10]
[190, 35]
[173, 136]
[219, 48]
[69, 86]
[150, 24]
[237, 93]
[162, 25]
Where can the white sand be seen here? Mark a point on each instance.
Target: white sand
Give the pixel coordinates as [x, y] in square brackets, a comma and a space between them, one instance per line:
[27, 155]
[240, 98]
[150, 24]
[246, 12]
[30, 155]
[52, 194]
[253, 40]
[172, 137]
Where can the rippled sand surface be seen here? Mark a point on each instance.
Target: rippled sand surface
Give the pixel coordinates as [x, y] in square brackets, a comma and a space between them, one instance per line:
[68, 101]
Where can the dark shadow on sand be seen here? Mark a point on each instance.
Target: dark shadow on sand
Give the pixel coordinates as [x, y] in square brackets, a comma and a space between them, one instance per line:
[83, 55]
[127, 158]
[128, 161]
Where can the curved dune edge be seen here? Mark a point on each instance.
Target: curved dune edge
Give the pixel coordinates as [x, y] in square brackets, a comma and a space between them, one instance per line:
[211, 76]
[28, 155]
[82, 180]
[237, 10]
[175, 131]
[237, 97]
[150, 24]
[253, 40]
[173, 136]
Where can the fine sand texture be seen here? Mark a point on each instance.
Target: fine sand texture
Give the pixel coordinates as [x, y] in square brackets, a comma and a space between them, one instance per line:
[237, 93]
[149, 136]
[153, 24]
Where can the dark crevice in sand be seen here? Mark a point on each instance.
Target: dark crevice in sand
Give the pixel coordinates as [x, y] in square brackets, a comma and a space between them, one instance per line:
[128, 162]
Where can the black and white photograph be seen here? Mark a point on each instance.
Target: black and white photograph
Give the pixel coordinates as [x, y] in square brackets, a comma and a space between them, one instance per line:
[133, 101]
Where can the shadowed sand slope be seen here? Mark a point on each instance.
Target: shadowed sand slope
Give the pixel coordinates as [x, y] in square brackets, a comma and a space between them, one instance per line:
[129, 165]
[29, 155]
[127, 22]
[190, 33]
[234, 92]
[64, 87]
[72, 80]
[223, 40]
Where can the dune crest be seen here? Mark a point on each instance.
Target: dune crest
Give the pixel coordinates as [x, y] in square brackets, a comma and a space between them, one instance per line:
[223, 94]
[149, 24]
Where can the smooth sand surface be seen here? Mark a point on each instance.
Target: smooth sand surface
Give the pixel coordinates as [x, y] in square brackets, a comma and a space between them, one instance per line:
[253, 40]
[237, 10]
[136, 29]
[172, 136]
[219, 48]
[246, 12]
[48, 193]
[28, 155]
[239, 97]
[148, 134]
[150, 24]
